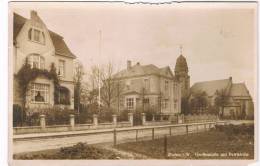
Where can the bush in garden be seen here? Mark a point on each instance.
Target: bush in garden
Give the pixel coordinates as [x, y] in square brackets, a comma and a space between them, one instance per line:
[19, 115]
[58, 116]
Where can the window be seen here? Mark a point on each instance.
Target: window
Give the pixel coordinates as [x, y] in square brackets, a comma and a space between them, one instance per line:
[61, 70]
[175, 103]
[130, 103]
[36, 61]
[40, 93]
[146, 84]
[165, 103]
[166, 85]
[64, 96]
[30, 34]
[146, 101]
[36, 35]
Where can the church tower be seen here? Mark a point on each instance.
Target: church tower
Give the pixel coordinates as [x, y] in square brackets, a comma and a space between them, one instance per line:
[181, 72]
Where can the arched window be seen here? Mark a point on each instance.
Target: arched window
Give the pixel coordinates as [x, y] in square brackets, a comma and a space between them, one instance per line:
[36, 61]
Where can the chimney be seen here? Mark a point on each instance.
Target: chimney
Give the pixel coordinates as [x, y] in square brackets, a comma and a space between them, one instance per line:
[129, 64]
[33, 14]
[230, 78]
[138, 63]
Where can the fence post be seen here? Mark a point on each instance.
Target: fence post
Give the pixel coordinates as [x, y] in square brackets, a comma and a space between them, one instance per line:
[143, 119]
[131, 118]
[72, 121]
[42, 121]
[165, 147]
[187, 129]
[152, 133]
[95, 120]
[114, 137]
[114, 119]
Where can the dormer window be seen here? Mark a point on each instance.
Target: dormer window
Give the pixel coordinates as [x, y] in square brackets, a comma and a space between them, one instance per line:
[36, 61]
[36, 35]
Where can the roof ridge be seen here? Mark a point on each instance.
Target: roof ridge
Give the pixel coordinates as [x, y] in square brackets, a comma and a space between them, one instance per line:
[210, 81]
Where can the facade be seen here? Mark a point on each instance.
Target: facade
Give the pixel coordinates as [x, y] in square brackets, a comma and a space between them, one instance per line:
[148, 87]
[239, 102]
[42, 48]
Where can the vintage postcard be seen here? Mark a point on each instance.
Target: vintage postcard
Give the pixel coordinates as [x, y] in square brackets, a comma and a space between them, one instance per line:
[119, 83]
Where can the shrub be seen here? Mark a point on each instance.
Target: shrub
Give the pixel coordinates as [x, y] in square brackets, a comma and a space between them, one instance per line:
[19, 115]
[58, 116]
[78, 151]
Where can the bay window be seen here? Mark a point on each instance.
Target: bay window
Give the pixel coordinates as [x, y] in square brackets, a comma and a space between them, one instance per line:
[40, 93]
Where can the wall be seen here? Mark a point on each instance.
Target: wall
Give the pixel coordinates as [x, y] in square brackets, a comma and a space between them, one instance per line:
[63, 128]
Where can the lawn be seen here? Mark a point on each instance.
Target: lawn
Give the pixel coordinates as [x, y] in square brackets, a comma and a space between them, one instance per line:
[224, 142]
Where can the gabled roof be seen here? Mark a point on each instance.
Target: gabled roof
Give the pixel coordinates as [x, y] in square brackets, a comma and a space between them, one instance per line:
[59, 44]
[240, 90]
[210, 87]
[141, 70]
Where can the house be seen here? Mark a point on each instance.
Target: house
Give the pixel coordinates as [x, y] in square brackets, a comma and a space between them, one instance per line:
[148, 87]
[238, 102]
[41, 48]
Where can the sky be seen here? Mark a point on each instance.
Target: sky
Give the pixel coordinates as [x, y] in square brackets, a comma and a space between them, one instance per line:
[218, 39]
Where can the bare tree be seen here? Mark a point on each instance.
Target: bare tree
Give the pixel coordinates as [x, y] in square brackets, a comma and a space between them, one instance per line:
[78, 78]
[102, 80]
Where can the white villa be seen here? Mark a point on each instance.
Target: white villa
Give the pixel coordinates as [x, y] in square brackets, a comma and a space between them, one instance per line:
[42, 48]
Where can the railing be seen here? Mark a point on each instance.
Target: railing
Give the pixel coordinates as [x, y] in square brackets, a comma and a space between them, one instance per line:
[166, 130]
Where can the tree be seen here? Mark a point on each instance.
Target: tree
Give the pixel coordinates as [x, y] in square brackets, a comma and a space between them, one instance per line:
[185, 109]
[199, 102]
[221, 101]
[105, 85]
[78, 78]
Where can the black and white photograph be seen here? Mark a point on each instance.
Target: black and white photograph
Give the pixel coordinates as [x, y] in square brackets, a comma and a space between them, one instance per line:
[132, 81]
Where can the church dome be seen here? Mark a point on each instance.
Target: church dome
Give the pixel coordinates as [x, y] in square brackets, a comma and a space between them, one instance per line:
[181, 64]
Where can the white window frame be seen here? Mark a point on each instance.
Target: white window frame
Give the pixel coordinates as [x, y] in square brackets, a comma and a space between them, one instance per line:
[165, 103]
[42, 88]
[130, 103]
[61, 69]
[38, 59]
[32, 35]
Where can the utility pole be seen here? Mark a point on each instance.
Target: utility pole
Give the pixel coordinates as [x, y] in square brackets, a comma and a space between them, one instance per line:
[99, 85]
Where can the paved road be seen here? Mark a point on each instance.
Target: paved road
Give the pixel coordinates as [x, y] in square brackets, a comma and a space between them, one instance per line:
[53, 142]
